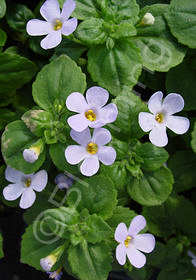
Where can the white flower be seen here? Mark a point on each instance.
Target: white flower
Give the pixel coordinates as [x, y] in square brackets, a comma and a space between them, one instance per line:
[24, 185]
[91, 113]
[161, 117]
[131, 243]
[148, 19]
[91, 150]
[48, 262]
[56, 23]
[31, 155]
[56, 275]
[193, 256]
[63, 181]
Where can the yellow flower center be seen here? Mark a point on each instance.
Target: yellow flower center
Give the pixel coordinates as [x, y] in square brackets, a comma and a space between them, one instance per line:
[58, 24]
[90, 115]
[127, 241]
[159, 118]
[92, 148]
[28, 182]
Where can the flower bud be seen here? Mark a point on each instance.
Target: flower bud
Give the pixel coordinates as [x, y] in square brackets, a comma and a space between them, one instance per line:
[48, 262]
[32, 154]
[63, 181]
[148, 19]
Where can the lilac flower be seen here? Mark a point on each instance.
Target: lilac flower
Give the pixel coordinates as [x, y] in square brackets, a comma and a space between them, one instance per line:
[161, 117]
[63, 181]
[56, 275]
[131, 243]
[24, 185]
[91, 150]
[91, 112]
[56, 24]
[193, 256]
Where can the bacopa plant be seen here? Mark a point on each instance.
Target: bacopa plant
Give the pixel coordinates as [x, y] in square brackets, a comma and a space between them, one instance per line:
[82, 84]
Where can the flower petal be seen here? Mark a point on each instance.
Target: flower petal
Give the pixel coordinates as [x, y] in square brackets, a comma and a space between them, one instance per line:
[50, 10]
[136, 258]
[76, 102]
[155, 102]
[13, 191]
[28, 198]
[158, 136]
[36, 27]
[39, 180]
[144, 242]
[137, 224]
[74, 154]
[78, 122]
[121, 233]
[13, 175]
[30, 155]
[101, 136]
[90, 166]
[106, 155]
[108, 113]
[68, 8]
[82, 138]
[173, 103]
[146, 121]
[52, 40]
[121, 254]
[97, 96]
[178, 124]
[194, 262]
[69, 26]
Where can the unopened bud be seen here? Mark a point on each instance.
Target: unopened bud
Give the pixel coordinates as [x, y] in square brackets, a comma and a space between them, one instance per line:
[32, 154]
[48, 262]
[148, 19]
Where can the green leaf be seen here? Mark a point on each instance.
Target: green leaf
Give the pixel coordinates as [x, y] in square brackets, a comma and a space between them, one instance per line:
[56, 81]
[91, 31]
[85, 9]
[90, 261]
[97, 194]
[38, 242]
[70, 48]
[6, 116]
[121, 215]
[17, 17]
[181, 18]
[193, 142]
[117, 68]
[98, 229]
[183, 167]
[152, 188]
[3, 38]
[176, 214]
[15, 71]
[184, 76]
[57, 154]
[126, 126]
[125, 29]
[15, 139]
[1, 246]
[154, 157]
[2, 8]
[158, 254]
[159, 50]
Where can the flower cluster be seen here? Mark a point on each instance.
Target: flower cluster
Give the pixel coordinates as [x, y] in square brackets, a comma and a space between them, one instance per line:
[91, 113]
[161, 117]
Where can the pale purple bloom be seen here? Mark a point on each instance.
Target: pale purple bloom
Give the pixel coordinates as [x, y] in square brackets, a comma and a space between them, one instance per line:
[161, 117]
[25, 185]
[193, 256]
[55, 275]
[131, 243]
[91, 150]
[63, 181]
[56, 24]
[91, 111]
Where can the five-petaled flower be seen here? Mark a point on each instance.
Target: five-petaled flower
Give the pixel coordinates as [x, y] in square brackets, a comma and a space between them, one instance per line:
[131, 243]
[161, 117]
[25, 185]
[91, 150]
[91, 113]
[56, 24]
